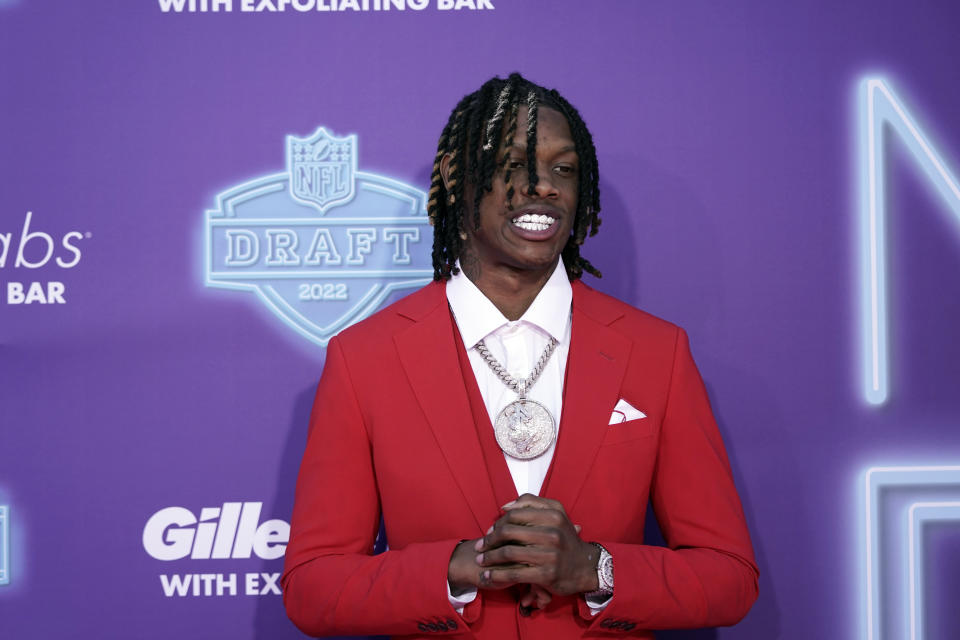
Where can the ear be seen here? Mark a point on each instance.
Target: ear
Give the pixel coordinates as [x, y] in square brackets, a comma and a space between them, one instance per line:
[445, 170]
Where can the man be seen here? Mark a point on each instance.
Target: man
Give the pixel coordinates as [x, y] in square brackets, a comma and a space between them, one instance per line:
[510, 424]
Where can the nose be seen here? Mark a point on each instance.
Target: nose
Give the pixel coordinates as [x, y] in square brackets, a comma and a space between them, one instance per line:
[545, 186]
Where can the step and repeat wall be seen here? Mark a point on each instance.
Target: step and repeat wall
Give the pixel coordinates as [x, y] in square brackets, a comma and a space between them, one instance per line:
[197, 194]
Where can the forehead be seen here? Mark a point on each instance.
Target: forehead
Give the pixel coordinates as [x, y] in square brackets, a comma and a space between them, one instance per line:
[552, 128]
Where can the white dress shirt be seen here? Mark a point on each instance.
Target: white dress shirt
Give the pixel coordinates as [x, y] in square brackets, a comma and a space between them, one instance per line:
[517, 345]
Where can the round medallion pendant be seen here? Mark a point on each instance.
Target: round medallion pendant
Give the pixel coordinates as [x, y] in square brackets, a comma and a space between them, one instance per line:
[525, 429]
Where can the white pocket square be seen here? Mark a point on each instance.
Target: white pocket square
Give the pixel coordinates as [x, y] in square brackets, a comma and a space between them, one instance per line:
[623, 412]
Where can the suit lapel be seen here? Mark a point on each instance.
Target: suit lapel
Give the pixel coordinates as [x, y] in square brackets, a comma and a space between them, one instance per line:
[595, 368]
[428, 354]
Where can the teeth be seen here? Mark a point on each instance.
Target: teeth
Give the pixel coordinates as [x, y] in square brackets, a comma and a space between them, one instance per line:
[533, 222]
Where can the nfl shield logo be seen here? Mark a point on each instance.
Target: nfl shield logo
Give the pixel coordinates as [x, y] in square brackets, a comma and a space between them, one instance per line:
[322, 169]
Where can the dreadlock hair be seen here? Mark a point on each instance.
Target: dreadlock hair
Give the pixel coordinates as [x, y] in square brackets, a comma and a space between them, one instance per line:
[480, 125]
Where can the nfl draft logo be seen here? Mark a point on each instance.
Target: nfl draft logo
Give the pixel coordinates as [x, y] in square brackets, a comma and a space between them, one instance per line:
[323, 244]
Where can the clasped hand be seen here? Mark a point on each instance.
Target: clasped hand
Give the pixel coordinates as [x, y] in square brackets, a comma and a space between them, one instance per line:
[532, 543]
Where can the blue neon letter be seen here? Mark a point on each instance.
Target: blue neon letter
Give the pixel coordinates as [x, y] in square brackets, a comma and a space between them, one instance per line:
[878, 105]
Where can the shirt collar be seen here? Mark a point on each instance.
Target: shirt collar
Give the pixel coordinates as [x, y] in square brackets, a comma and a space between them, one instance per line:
[477, 317]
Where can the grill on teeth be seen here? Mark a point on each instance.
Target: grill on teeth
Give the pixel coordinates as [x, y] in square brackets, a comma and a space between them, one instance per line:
[533, 222]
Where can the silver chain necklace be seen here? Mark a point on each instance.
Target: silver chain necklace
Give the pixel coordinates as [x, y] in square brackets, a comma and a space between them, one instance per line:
[524, 428]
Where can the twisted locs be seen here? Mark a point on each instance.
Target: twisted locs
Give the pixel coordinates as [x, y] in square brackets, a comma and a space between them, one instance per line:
[470, 141]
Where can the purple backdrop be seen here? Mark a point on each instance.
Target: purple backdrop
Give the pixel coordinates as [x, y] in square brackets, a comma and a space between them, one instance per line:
[727, 143]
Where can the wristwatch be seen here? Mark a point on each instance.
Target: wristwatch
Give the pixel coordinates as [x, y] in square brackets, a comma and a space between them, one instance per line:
[604, 573]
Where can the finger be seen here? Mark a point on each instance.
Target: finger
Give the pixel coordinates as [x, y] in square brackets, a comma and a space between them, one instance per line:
[522, 535]
[499, 577]
[518, 554]
[534, 516]
[542, 596]
[536, 596]
[488, 580]
[528, 599]
[536, 502]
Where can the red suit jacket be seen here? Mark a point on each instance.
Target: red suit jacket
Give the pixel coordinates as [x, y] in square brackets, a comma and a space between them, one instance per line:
[392, 432]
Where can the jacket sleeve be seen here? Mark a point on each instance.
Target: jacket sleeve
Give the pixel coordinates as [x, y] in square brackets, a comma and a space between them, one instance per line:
[706, 575]
[332, 584]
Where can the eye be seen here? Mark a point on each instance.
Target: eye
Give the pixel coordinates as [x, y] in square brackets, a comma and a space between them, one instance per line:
[565, 170]
[515, 163]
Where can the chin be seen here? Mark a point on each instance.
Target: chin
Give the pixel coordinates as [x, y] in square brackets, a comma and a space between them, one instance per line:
[538, 262]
